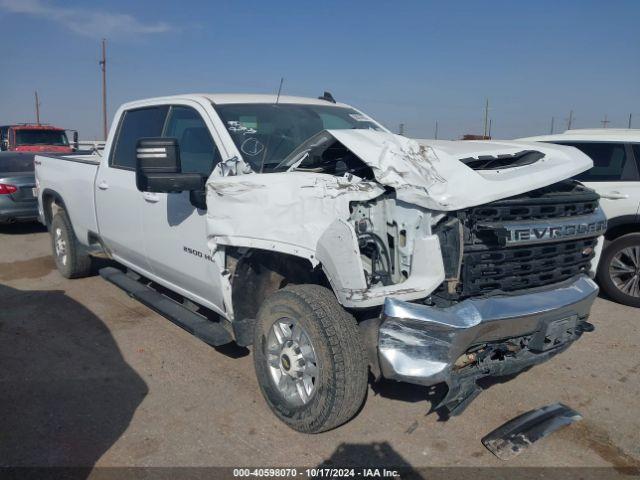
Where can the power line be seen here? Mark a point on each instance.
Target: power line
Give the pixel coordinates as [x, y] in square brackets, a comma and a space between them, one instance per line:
[570, 120]
[37, 108]
[486, 116]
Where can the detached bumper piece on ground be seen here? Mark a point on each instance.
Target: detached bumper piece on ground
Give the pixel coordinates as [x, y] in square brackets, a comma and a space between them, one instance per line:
[514, 436]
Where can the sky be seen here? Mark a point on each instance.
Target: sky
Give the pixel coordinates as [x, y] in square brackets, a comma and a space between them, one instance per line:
[410, 62]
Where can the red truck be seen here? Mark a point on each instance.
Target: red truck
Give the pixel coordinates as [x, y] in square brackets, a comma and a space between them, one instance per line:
[35, 138]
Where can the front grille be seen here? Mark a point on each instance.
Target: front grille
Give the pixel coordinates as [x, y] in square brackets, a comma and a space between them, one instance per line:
[532, 211]
[566, 199]
[517, 268]
[488, 266]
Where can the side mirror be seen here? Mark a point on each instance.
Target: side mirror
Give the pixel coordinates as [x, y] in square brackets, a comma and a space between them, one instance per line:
[4, 145]
[75, 140]
[158, 168]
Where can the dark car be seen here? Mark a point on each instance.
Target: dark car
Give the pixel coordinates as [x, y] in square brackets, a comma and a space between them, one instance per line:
[17, 182]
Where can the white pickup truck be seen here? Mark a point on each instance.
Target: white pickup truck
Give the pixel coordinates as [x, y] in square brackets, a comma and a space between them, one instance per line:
[336, 248]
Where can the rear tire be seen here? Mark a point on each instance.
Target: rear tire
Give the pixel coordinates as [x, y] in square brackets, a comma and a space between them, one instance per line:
[619, 270]
[313, 373]
[70, 256]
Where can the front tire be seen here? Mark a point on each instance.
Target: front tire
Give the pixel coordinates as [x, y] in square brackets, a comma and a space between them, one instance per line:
[70, 256]
[619, 270]
[309, 359]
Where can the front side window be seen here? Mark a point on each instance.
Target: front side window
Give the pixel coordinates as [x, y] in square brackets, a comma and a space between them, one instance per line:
[41, 137]
[198, 153]
[136, 124]
[609, 161]
[266, 134]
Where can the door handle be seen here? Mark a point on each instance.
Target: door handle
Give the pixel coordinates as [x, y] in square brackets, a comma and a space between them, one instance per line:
[103, 185]
[614, 195]
[150, 197]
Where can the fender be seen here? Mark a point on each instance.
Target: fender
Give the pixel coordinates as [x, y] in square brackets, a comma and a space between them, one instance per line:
[622, 225]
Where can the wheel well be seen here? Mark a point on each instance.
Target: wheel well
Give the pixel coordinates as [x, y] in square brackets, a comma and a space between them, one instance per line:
[51, 203]
[621, 226]
[257, 273]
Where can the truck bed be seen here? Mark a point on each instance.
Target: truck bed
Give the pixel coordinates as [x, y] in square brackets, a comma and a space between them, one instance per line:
[70, 177]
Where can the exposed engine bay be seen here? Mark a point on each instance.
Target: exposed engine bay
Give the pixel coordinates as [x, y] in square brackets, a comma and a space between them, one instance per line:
[386, 215]
[476, 254]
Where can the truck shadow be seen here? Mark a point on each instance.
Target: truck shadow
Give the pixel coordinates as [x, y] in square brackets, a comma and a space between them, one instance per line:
[434, 395]
[370, 455]
[66, 392]
[22, 228]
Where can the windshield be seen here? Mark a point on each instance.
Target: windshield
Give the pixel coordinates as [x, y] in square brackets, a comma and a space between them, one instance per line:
[266, 134]
[41, 137]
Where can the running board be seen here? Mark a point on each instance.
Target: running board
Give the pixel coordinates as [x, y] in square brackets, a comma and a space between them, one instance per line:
[209, 332]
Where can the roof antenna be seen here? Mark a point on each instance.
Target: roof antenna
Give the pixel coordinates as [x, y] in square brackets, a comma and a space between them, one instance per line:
[279, 89]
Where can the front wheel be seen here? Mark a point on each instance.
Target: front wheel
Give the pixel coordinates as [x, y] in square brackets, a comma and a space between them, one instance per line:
[619, 270]
[309, 359]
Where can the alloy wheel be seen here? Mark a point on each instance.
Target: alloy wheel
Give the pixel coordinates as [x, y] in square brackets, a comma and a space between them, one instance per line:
[292, 361]
[624, 271]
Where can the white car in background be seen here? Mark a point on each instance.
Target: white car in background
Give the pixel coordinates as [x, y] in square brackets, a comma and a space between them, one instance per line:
[616, 177]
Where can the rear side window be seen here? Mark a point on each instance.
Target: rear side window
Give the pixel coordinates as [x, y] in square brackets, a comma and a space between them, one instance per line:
[609, 162]
[136, 124]
[198, 153]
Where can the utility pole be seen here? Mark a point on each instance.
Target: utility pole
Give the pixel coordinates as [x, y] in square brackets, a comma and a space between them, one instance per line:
[605, 122]
[486, 116]
[490, 122]
[435, 134]
[552, 121]
[401, 129]
[630, 115]
[570, 121]
[37, 108]
[103, 66]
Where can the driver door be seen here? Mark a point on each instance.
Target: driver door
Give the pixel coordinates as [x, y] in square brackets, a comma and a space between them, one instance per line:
[175, 232]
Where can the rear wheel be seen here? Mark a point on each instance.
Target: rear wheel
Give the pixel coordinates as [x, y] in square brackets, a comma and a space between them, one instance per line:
[619, 270]
[70, 256]
[309, 359]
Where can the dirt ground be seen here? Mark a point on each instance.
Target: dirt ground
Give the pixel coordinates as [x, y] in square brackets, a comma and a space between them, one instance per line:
[89, 376]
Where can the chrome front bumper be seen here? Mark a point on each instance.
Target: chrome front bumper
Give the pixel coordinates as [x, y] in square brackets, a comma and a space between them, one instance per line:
[421, 344]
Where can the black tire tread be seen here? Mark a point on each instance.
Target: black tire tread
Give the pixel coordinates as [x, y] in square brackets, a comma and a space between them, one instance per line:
[345, 347]
[79, 263]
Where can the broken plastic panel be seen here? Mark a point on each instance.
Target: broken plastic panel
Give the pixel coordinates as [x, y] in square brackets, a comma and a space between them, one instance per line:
[513, 437]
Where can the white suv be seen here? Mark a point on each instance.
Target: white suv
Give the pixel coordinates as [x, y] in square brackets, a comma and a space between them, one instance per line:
[616, 177]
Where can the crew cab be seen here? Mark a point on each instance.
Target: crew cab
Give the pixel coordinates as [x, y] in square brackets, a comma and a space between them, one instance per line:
[615, 176]
[335, 248]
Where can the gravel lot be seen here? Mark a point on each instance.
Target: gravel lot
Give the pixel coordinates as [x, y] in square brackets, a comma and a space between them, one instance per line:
[89, 376]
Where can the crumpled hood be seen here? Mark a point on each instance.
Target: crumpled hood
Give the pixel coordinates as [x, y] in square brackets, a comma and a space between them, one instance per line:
[429, 173]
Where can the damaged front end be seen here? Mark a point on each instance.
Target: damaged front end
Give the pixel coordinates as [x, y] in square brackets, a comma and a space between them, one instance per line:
[475, 265]
[517, 291]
